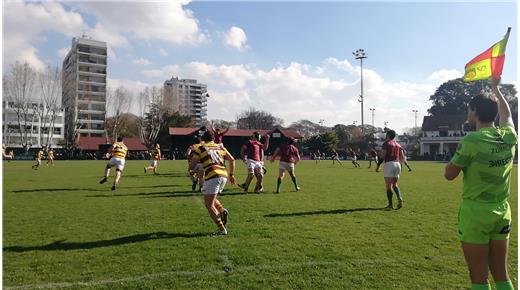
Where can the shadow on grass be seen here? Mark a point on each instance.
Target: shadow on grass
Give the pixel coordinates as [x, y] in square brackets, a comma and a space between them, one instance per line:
[165, 194]
[156, 175]
[336, 211]
[56, 189]
[61, 245]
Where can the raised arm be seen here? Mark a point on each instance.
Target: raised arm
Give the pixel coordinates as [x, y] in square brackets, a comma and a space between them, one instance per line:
[275, 154]
[504, 112]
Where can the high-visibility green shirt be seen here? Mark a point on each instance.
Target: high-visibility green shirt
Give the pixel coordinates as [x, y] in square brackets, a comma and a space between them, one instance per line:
[486, 158]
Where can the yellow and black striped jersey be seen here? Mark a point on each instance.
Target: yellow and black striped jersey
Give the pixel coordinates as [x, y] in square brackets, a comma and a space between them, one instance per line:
[192, 149]
[211, 155]
[50, 154]
[39, 155]
[155, 153]
[119, 150]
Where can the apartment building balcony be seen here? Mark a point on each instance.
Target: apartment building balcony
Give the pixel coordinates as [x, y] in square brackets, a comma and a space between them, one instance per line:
[92, 63]
[441, 139]
[93, 93]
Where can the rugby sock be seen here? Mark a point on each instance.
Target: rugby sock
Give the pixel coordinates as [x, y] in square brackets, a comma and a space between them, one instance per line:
[505, 285]
[220, 224]
[480, 287]
[278, 184]
[389, 194]
[397, 193]
[219, 207]
[294, 181]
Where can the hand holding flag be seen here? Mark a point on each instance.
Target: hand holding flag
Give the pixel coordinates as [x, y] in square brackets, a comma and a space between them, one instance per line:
[489, 63]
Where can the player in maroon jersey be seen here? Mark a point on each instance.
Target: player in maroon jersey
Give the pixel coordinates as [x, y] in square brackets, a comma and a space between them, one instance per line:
[392, 155]
[219, 134]
[252, 153]
[289, 156]
[373, 157]
[335, 157]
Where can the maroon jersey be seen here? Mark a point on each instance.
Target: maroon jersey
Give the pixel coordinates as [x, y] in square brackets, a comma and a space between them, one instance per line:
[254, 148]
[288, 153]
[392, 150]
[373, 153]
[218, 137]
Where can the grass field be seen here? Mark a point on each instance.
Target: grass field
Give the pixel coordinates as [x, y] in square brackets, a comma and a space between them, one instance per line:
[63, 230]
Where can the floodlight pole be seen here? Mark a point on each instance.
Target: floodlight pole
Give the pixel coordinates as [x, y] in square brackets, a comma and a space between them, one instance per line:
[415, 128]
[372, 109]
[361, 54]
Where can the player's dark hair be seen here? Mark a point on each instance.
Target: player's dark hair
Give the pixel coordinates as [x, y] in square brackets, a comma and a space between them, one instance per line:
[208, 136]
[290, 141]
[485, 108]
[391, 134]
[256, 135]
[119, 139]
[196, 139]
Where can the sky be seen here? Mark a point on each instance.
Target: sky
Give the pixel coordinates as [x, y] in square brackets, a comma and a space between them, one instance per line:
[293, 59]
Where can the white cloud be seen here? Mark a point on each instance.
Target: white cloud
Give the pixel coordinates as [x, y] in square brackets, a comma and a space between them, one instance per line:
[141, 61]
[163, 51]
[236, 37]
[302, 91]
[443, 75]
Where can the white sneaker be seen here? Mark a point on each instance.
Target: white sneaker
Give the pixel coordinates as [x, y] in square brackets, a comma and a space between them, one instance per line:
[220, 232]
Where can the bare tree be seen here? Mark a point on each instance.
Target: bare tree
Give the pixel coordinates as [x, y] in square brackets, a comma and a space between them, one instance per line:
[71, 113]
[255, 119]
[18, 87]
[49, 81]
[152, 117]
[119, 102]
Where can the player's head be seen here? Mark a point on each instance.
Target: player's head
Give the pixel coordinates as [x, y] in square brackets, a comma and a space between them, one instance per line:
[483, 109]
[157, 146]
[256, 136]
[290, 141]
[217, 130]
[119, 139]
[207, 136]
[390, 134]
[196, 140]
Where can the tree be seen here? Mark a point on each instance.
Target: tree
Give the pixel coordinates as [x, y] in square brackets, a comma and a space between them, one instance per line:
[452, 97]
[171, 120]
[119, 102]
[343, 134]
[255, 119]
[308, 128]
[325, 142]
[128, 125]
[19, 84]
[49, 81]
[152, 118]
[223, 124]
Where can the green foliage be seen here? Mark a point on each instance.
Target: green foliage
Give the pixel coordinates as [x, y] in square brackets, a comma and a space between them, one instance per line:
[61, 226]
[325, 142]
[171, 120]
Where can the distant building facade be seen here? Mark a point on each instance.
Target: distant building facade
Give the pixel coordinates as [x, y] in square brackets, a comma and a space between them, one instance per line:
[84, 87]
[442, 134]
[187, 97]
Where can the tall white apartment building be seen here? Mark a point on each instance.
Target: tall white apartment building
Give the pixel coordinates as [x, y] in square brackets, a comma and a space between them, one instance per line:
[36, 130]
[187, 97]
[84, 87]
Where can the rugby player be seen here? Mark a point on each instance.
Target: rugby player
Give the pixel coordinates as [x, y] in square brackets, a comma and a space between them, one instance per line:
[354, 158]
[289, 156]
[335, 157]
[373, 157]
[155, 156]
[391, 154]
[118, 152]
[219, 134]
[486, 159]
[196, 174]
[405, 160]
[253, 154]
[212, 157]
[38, 157]
[50, 157]
[9, 156]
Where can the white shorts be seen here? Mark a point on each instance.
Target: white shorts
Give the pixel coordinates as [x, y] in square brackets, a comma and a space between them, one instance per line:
[118, 163]
[214, 186]
[153, 162]
[198, 167]
[354, 158]
[392, 169]
[286, 166]
[252, 165]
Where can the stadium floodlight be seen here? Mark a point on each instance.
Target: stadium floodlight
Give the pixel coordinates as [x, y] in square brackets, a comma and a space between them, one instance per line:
[415, 128]
[361, 54]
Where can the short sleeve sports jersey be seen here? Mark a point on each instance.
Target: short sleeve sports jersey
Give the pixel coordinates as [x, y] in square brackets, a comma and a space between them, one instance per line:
[39, 155]
[50, 154]
[254, 148]
[219, 137]
[211, 155]
[486, 158]
[119, 150]
[392, 149]
[193, 148]
[288, 153]
[155, 153]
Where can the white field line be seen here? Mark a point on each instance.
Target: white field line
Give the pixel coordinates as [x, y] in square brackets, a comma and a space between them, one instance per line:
[156, 276]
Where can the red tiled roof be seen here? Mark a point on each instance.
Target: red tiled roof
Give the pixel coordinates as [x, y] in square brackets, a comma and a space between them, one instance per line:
[92, 143]
[234, 132]
[453, 122]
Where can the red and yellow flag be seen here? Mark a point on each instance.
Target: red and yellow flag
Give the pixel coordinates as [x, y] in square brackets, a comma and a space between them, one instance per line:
[489, 63]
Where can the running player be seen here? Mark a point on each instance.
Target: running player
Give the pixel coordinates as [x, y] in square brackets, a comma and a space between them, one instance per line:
[391, 154]
[196, 174]
[373, 157]
[335, 157]
[213, 156]
[219, 134]
[405, 160]
[354, 158]
[9, 156]
[253, 154]
[50, 157]
[317, 156]
[155, 156]
[117, 159]
[486, 159]
[38, 157]
[289, 156]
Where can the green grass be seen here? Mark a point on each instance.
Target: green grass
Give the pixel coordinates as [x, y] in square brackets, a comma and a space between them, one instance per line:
[62, 230]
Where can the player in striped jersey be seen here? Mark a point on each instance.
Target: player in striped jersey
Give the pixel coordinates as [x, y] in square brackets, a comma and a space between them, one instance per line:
[50, 157]
[5, 155]
[155, 156]
[38, 157]
[197, 174]
[117, 159]
[213, 156]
